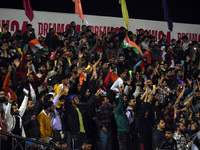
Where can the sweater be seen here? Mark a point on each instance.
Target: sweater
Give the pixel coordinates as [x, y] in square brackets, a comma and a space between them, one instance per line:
[45, 125]
[121, 118]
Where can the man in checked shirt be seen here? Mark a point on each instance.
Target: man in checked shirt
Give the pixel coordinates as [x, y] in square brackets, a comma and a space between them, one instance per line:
[182, 143]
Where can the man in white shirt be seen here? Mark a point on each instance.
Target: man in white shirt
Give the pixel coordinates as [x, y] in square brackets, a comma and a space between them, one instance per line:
[186, 42]
[119, 82]
[145, 43]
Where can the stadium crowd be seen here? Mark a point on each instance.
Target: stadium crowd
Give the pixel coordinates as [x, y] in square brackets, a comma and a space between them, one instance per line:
[79, 91]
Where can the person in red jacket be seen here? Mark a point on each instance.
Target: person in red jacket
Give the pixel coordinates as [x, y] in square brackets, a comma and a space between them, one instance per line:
[6, 85]
[147, 54]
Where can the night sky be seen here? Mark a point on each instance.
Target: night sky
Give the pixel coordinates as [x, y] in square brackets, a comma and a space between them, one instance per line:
[183, 11]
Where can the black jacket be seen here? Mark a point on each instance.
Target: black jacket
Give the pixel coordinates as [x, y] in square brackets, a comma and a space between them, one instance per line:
[145, 124]
[38, 107]
[27, 38]
[51, 41]
[31, 127]
[157, 137]
[71, 115]
[165, 145]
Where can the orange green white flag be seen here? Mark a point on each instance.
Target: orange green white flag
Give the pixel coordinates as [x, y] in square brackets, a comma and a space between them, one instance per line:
[127, 43]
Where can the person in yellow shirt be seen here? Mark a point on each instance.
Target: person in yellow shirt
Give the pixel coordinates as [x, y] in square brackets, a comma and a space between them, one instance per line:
[65, 81]
[44, 120]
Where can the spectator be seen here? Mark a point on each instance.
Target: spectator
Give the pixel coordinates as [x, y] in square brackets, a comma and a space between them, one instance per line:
[51, 39]
[119, 82]
[72, 33]
[44, 119]
[56, 123]
[147, 55]
[144, 122]
[29, 34]
[110, 51]
[186, 42]
[30, 122]
[121, 34]
[158, 134]
[181, 141]
[164, 40]
[5, 35]
[122, 121]
[41, 70]
[76, 126]
[168, 142]
[3, 126]
[145, 43]
[32, 82]
[173, 43]
[13, 115]
[38, 106]
[131, 113]
[6, 85]
[103, 120]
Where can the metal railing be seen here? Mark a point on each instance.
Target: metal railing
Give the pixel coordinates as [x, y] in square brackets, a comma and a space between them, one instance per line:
[26, 140]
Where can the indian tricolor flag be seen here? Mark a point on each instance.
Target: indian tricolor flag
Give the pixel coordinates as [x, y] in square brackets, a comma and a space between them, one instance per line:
[127, 43]
[35, 46]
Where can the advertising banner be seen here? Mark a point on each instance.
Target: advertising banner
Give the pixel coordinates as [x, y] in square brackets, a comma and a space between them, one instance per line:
[43, 21]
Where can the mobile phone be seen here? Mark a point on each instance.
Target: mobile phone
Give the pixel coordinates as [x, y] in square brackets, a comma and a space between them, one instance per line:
[26, 47]
[9, 94]
[26, 91]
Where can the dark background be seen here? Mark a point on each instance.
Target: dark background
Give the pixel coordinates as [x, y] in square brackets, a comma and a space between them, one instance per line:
[183, 11]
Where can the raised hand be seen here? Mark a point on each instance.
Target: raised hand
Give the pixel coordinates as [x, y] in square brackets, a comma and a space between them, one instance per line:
[29, 71]
[48, 65]
[60, 89]
[84, 74]
[110, 69]
[98, 93]
[101, 55]
[33, 117]
[189, 82]
[80, 55]
[10, 100]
